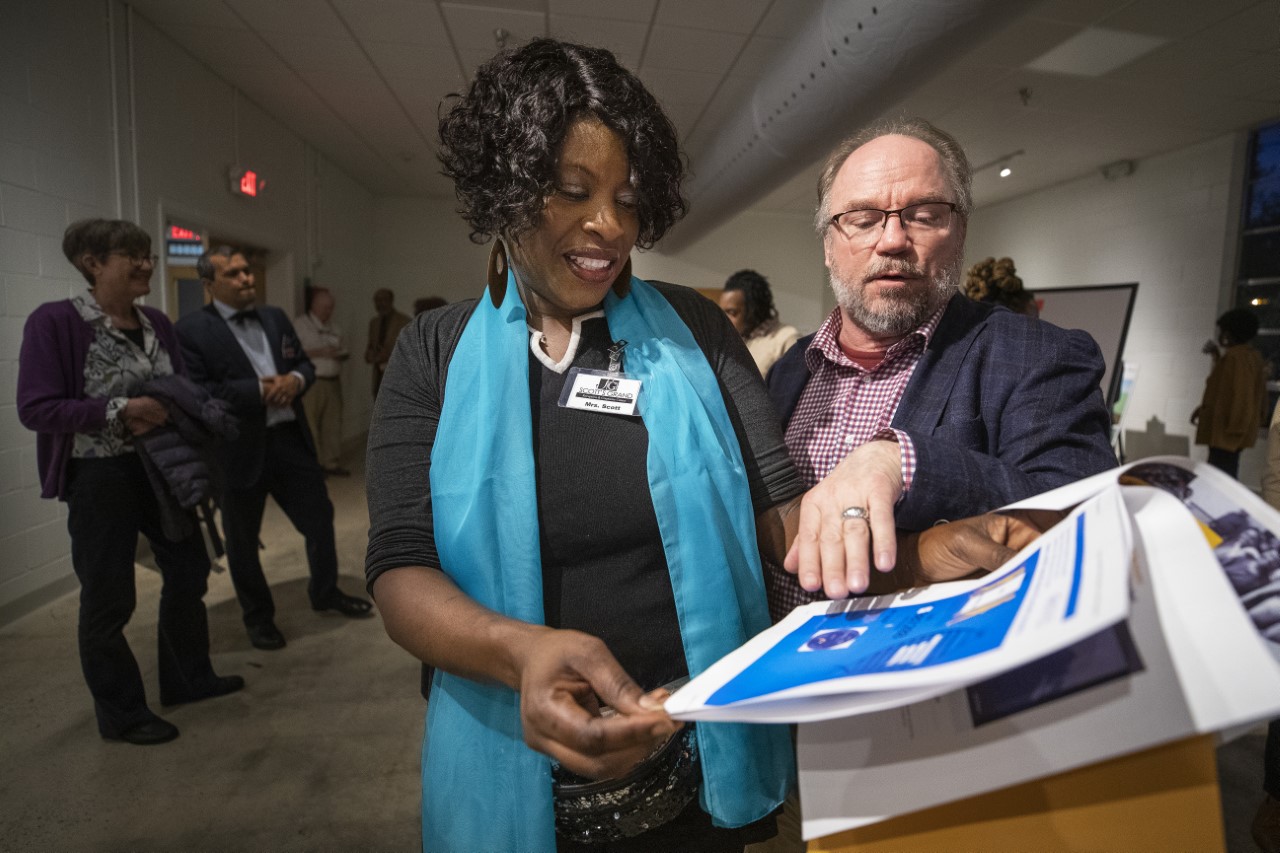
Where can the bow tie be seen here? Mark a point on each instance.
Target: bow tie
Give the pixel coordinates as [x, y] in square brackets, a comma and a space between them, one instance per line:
[247, 314]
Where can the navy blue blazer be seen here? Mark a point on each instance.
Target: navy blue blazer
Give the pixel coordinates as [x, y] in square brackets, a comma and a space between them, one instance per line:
[215, 360]
[1000, 408]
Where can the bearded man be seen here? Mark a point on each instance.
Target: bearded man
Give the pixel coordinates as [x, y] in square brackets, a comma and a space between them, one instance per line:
[955, 407]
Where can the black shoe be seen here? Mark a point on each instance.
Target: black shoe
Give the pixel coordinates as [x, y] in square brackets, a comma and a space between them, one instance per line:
[151, 732]
[266, 637]
[218, 686]
[347, 605]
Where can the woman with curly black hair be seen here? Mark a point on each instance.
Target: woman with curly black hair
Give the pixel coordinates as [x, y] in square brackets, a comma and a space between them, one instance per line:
[747, 301]
[570, 481]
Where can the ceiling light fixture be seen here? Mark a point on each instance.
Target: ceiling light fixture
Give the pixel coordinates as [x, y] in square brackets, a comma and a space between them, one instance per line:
[1118, 169]
[1002, 162]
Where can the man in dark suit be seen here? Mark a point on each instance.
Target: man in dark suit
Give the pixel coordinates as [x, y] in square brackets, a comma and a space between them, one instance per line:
[251, 358]
[946, 408]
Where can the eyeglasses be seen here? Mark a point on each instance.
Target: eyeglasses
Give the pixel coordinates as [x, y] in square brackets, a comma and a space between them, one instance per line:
[137, 260]
[922, 220]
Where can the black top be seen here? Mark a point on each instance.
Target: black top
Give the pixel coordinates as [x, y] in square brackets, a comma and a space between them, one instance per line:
[602, 555]
[138, 336]
[604, 569]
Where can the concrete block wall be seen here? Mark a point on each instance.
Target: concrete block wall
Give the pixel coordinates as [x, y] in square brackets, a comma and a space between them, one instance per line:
[55, 167]
[1170, 227]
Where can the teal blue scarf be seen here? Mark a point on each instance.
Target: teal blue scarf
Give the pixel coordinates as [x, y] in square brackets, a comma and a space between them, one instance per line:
[482, 788]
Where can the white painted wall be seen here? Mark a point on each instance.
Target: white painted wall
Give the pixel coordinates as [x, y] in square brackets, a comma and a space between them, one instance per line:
[422, 249]
[782, 247]
[1170, 227]
[55, 166]
[68, 150]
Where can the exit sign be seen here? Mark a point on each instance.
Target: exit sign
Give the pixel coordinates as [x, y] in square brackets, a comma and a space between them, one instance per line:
[247, 182]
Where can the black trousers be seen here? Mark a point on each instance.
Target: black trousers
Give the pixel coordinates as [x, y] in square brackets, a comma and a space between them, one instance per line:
[109, 501]
[291, 475]
[1225, 460]
[1271, 760]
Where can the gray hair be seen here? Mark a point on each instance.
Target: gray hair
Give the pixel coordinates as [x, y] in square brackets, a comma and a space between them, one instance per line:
[954, 161]
[101, 237]
[204, 266]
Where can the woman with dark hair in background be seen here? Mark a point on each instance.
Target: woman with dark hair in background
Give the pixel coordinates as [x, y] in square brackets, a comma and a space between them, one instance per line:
[428, 303]
[747, 301]
[82, 363]
[530, 540]
[997, 282]
[1235, 394]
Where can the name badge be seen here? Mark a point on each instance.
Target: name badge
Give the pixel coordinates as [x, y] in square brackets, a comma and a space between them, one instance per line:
[600, 391]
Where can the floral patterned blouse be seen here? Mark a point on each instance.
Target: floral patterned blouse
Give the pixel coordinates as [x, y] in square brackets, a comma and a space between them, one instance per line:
[115, 368]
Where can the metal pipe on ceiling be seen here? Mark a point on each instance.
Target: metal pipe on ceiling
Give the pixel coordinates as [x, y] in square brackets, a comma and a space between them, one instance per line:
[852, 60]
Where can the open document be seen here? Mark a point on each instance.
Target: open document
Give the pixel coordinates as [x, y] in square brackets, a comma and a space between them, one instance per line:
[1045, 687]
[1068, 585]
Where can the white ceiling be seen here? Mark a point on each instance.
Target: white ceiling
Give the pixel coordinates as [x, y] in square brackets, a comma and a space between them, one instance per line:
[361, 79]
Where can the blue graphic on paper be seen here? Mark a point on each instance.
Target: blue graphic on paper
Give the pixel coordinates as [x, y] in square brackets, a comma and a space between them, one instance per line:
[893, 639]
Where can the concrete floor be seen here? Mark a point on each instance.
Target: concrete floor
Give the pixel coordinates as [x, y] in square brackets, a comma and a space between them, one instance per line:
[318, 753]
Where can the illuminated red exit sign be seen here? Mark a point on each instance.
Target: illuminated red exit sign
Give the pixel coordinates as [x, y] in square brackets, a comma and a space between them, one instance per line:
[177, 232]
[247, 182]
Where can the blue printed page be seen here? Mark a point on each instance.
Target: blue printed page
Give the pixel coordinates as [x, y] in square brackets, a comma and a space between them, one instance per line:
[869, 653]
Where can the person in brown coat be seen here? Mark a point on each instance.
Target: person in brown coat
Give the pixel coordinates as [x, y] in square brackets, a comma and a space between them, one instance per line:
[1230, 413]
[384, 328]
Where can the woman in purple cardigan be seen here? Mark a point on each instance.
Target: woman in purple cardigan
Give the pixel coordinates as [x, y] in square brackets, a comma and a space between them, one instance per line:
[81, 362]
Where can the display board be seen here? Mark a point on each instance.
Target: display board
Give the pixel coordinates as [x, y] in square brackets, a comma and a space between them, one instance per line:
[1103, 311]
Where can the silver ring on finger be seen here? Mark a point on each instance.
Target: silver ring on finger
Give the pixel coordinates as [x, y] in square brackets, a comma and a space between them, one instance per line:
[859, 513]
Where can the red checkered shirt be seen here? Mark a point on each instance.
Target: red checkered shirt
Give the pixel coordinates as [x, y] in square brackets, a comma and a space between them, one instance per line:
[843, 406]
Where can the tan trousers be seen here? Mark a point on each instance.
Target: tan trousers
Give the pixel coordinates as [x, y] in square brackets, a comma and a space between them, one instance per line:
[323, 405]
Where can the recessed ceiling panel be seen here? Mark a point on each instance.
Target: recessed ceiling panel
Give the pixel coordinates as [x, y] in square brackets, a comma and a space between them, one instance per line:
[473, 59]
[626, 10]
[505, 5]
[316, 53]
[679, 87]
[784, 17]
[1018, 42]
[422, 100]
[692, 50]
[624, 38]
[193, 13]
[473, 28]
[1081, 13]
[1095, 51]
[730, 16]
[401, 21]
[294, 17]
[758, 56]
[209, 46]
[427, 65]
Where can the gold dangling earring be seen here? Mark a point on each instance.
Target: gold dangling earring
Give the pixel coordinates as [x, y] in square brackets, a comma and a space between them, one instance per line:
[497, 272]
